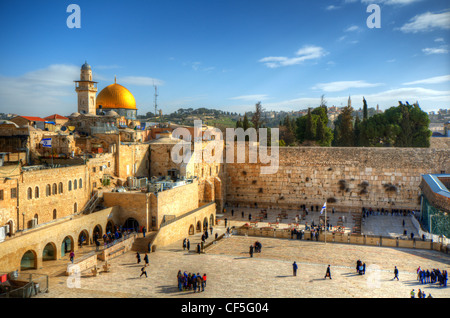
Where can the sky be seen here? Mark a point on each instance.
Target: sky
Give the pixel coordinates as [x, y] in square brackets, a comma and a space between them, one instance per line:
[226, 55]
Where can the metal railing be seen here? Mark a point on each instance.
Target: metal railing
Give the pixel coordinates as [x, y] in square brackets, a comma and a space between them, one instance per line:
[25, 285]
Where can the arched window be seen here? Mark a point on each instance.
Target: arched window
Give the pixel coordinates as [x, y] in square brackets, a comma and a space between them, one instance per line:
[70, 185]
[48, 190]
[81, 183]
[30, 193]
[61, 189]
[55, 189]
[75, 184]
[75, 208]
[36, 192]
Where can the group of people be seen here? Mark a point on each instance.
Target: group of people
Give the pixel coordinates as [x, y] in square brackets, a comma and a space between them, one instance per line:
[382, 211]
[432, 277]
[420, 294]
[195, 282]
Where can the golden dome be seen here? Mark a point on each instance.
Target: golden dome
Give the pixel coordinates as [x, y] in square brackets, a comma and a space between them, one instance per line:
[115, 96]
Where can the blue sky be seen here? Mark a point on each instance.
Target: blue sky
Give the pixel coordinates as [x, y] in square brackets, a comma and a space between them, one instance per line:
[226, 54]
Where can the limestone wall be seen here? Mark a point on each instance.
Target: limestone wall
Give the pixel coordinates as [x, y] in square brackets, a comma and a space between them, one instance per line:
[181, 228]
[349, 177]
[133, 160]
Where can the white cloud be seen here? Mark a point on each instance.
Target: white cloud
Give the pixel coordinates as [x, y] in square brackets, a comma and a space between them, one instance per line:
[331, 7]
[344, 85]
[427, 98]
[140, 81]
[352, 28]
[427, 22]
[435, 50]
[432, 80]
[439, 40]
[41, 92]
[307, 52]
[250, 97]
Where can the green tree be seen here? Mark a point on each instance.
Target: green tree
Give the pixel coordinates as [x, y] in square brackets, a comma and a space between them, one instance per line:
[365, 111]
[309, 130]
[344, 128]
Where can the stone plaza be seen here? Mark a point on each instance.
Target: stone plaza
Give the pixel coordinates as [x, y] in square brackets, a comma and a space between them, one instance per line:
[232, 273]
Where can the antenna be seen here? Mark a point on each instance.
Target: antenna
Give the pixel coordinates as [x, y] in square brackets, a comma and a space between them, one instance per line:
[156, 95]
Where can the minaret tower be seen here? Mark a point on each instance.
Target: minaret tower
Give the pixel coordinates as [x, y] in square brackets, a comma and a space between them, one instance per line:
[86, 90]
[349, 103]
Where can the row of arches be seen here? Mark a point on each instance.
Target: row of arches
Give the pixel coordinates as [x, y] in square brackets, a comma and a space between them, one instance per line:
[67, 244]
[55, 189]
[50, 250]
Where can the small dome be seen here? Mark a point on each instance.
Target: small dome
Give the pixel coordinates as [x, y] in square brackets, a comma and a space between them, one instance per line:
[85, 66]
[112, 113]
[76, 114]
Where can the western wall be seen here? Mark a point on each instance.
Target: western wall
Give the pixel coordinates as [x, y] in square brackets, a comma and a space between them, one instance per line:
[347, 178]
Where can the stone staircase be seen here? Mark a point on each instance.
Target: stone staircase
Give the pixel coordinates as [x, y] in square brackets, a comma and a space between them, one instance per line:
[141, 243]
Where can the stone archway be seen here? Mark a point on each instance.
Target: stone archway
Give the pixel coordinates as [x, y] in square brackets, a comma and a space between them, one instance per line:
[28, 261]
[49, 252]
[199, 227]
[131, 224]
[205, 224]
[109, 227]
[83, 238]
[67, 245]
[191, 230]
[97, 232]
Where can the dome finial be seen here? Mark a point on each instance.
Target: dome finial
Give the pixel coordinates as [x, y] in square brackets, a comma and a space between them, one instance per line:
[115, 80]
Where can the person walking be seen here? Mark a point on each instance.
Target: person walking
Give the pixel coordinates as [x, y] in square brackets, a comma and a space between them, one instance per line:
[143, 272]
[144, 230]
[184, 244]
[72, 256]
[251, 251]
[188, 245]
[328, 273]
[198, 248]
[395, 273]
[138, 256]
[295, 267]
[413, 294]
[204, 281]
[146, 259]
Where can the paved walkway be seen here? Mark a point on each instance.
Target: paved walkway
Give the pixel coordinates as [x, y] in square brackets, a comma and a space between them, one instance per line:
[233, 274]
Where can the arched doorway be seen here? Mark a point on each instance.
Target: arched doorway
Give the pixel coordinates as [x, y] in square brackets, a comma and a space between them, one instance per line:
[109, 227]
[49, 252]
[66, 246]
[205, 224]
[199, 226]
[131, 224]
[191, 230]
[83, 238]
[28, 261]
[97, 232]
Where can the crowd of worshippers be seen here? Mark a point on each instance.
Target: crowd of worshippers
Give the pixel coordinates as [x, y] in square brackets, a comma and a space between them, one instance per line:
[110, 238]
[383, 211]
[195, 282]
[432, 277]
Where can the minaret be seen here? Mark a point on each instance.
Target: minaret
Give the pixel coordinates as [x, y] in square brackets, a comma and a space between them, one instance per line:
[349, 104]
[86, 90]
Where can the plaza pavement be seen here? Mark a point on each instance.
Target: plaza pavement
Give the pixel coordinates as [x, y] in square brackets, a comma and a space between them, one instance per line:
[233, 274]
